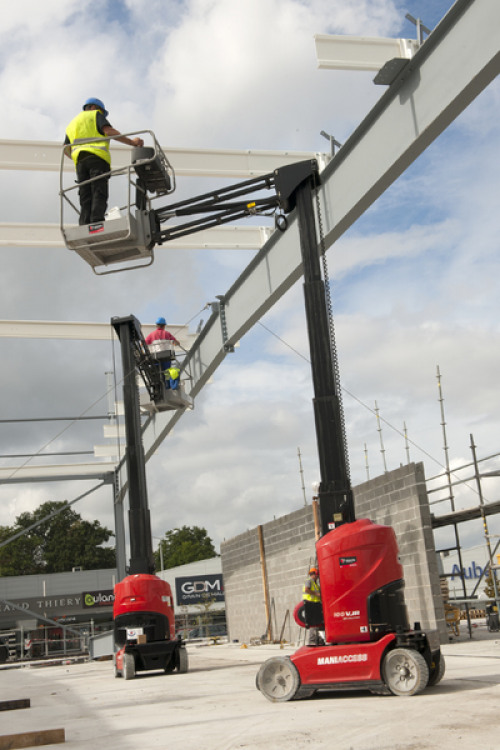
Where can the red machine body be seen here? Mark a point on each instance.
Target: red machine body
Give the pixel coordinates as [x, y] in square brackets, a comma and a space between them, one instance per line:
[361, 582]
[144, 620]
[346, 665]
[144, 601]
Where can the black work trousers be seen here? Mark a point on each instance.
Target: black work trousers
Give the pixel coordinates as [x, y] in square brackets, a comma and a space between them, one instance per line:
[93, 195]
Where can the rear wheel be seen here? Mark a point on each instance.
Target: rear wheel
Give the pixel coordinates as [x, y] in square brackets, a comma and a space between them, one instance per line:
[437, 670]
[405, 671]
[182, 660]
[278, 679]
[128, 667]
[171, 664]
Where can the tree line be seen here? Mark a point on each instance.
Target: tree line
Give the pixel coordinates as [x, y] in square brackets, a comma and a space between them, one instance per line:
[55, 539]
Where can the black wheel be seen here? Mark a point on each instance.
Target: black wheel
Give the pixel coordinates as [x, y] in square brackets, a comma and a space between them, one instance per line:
[128, 667]
[278, 679]
[182, 660]
[437, 670]
[171, 664]
[405, 671]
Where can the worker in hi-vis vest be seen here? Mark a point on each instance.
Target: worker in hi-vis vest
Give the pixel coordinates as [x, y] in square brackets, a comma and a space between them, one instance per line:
[92, 159]
[313, 611]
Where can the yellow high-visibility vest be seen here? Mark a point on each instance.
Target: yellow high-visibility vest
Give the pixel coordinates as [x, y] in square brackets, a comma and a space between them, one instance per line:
[84, 126]
[315, 596]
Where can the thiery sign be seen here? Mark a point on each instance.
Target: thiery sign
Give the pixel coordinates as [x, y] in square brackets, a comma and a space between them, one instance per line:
[198, 589]
[60, 605]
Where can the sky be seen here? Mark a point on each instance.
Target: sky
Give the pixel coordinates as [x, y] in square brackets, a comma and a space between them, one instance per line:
[415, 282]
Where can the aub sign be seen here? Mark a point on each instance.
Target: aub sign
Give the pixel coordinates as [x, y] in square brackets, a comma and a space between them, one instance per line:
[197, 589]
[469, 571]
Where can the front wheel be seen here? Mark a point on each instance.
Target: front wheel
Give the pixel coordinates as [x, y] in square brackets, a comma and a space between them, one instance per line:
[278, 679]
[405, 671]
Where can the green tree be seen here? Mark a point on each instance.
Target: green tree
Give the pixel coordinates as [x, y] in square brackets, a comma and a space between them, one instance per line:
[184, 545]
[17, 557]
[59, 541]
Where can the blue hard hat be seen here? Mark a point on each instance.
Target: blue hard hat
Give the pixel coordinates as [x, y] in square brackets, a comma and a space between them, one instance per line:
[161, 322]
[98, 103]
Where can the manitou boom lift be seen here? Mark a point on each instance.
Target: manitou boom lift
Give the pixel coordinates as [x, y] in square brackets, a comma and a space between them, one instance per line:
[368, 640]
[143, 610]
[369, 643]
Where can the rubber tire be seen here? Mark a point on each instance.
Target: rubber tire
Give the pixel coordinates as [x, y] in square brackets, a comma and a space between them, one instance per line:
[405, 671]
[436, 672]
[172, 664]
[278, 679]
[182, 660]
[128, 667]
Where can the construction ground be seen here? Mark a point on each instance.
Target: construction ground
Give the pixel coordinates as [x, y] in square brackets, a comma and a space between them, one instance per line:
[216, 706]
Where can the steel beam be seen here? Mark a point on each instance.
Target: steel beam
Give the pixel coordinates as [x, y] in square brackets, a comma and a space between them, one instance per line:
[55, 473]
[217, 238]
[46, 329]
[360, 52]
[45, 156]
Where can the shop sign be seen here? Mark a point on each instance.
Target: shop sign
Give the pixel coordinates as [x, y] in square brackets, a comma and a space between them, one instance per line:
[197, 589]
[96, 599]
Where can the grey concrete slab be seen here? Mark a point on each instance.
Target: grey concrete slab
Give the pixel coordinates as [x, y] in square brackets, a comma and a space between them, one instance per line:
[215, 706]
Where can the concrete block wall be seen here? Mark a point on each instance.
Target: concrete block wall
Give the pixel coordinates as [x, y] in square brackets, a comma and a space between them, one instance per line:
[397, 499]
[289, 550]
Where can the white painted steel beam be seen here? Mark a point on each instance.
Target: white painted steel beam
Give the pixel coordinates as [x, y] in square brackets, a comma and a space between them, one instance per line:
[108, 451]
[360, 52]
[114, 430]
[230, 163]
[46, 329]
[459, 59]
[217, 238]
[55, 473]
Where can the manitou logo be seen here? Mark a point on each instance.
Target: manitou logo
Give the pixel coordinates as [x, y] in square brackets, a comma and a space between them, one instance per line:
[341, 659]
[351, 560]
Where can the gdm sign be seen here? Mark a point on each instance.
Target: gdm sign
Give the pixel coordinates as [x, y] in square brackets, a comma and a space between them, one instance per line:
[197, 589]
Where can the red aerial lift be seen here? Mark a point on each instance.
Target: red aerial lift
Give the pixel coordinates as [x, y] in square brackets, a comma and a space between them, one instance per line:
[143, 611]
[369, 641]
